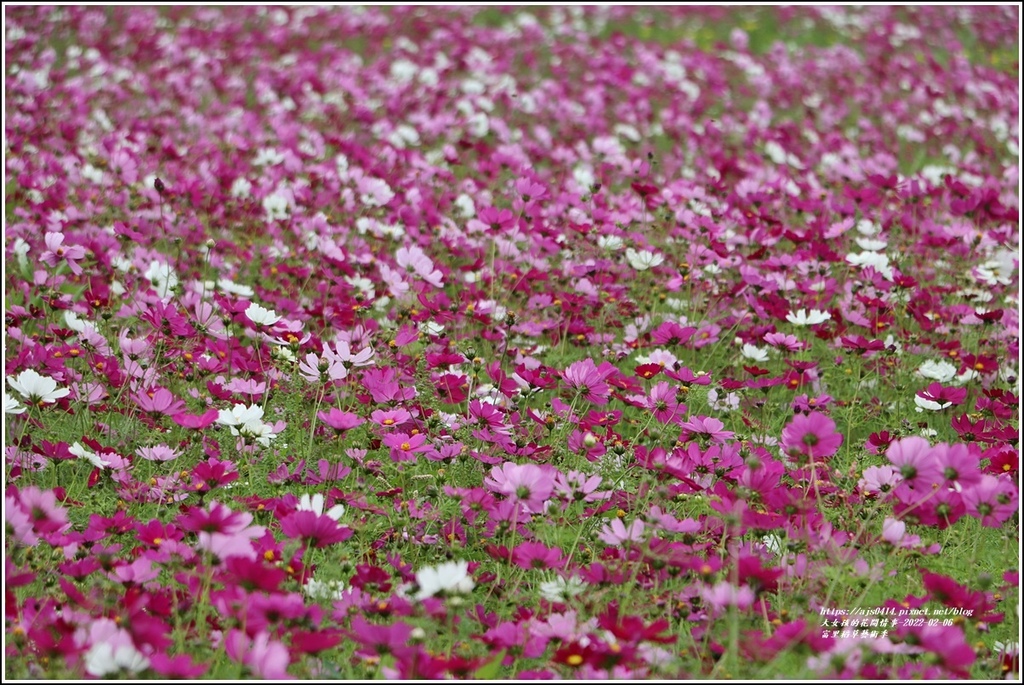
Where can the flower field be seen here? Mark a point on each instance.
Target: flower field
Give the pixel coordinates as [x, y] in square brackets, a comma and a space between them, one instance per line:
[511, 343]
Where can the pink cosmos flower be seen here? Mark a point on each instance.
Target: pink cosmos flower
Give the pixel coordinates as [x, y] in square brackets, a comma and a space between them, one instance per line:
[196, 422]
[784, 341]
[340, 420]
[415, 260]
[588, 380]
[811, 437]
[405, 447]
[158, 453]
[222, 532]
[705, 428]
[374, 192]
[321, 369]
[662, 401]
[57, 252]
[526, 483]
[19, 523]
[537, 555]
[895, 533]
[916, 462]
[616, 532]
[319, 529]
[342, 352]
[266, 659]
[959, 464]
[159, 402]
[725, 594]
[878, 480]
[390, 418]
[383, 386]
[42, 508]
[992, 500]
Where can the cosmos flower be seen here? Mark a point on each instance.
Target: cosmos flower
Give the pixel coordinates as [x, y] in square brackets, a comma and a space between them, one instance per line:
[803, 317]
[451, 578]
[11, 405]
[56, 252]
[36, 388]
[643, 260]
[261, 316]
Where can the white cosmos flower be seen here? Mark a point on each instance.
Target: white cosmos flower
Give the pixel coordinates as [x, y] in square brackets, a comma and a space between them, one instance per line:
[36, 388]
[877, 260]
[241, 188]
[802, 317]
[644, 259]
[755, 353]
[941, 371]
[431, 328]
[261, 316]
[103, 659]
[239, 415]
[83, 453]
[450, 577]
[11, 405]
[867, 227]
[325, 589]
[466, 206]
[871, 244]
[268, 156]
[610, 242]
[162, 277]
[930, 405]
[276, 207]
[315, 503]
[561, 589]
[230, 286]
[261, 432]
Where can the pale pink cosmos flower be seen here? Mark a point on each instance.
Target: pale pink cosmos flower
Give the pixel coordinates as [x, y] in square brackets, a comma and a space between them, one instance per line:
[57, 252]
[321, 369]
[616, 532]
[724, 594]
[374, 192]
[705, 428]
[158, 453]
[526, 483]
[878, 480]
[342, 352]
[414, 260]
[577, 486]
[266, 659]
[895, 533]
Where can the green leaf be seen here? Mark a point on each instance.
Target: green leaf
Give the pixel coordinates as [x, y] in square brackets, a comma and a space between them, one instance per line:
[489, 671]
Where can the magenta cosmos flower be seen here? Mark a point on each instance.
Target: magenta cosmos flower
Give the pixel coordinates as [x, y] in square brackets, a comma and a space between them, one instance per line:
[810, 437]
[321, 530]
